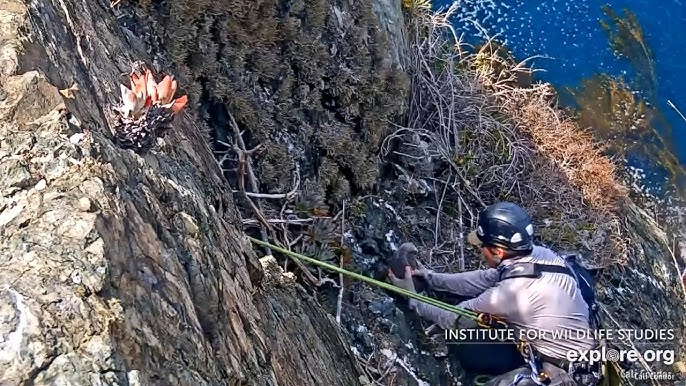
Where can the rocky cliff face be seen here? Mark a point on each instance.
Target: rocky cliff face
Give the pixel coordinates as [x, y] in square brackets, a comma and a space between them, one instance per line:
[127, 269]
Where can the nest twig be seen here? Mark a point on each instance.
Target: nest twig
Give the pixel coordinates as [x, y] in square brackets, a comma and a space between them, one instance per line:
[339, 302]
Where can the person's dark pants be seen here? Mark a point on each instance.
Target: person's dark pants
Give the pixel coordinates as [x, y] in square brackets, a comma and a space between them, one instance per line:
[485, 356]
[501, 360]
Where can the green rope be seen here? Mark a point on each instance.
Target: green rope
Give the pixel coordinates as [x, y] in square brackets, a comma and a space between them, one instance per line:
[390, 287]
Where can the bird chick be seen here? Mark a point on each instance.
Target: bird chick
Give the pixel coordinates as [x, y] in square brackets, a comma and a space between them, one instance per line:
[407, 255]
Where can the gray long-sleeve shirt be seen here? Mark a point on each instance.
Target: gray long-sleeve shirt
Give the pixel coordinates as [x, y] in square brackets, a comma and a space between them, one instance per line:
[551, 303]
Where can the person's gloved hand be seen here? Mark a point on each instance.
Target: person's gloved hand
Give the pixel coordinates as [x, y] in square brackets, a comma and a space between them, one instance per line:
[406, 283]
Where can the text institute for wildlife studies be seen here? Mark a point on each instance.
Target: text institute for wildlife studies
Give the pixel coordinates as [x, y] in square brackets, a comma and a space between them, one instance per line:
[509, 334]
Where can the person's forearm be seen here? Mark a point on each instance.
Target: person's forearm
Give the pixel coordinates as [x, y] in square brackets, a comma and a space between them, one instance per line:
[445, 282]
[445, 319]
[468, 284]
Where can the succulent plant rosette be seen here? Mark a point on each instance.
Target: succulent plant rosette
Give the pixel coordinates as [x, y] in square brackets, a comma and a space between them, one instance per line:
[147, 110]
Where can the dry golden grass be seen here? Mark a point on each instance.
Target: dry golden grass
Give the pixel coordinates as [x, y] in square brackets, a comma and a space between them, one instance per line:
[572, 148]
[576, 154]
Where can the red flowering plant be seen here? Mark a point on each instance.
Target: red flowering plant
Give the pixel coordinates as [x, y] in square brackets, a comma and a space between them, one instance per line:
[147, 109]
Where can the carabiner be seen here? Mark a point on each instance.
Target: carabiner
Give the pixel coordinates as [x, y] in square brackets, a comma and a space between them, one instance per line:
[488, 321]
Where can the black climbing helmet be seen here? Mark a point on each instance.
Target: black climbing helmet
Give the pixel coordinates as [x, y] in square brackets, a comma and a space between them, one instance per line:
[505, 225]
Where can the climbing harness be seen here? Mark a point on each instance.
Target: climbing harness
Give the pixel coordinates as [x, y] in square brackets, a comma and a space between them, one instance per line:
[484, 320]
[537, 374]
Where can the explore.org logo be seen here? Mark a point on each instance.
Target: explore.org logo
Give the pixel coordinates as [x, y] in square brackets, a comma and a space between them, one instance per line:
[614, 355]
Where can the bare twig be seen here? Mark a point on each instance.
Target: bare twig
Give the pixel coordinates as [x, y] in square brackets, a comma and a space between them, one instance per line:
[295, 241]
[245, 167]
[271, 196]
[244, 164]
[306, 272]
[681, 275]
[459, 215]
[241, 145]
[325, 280]
[438, 211]
[284, 228]
[296, 221]
[340, 275]
[676, 109]
[226, 154]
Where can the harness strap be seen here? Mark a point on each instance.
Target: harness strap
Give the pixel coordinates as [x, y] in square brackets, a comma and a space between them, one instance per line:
[537, 374]
[532, 270]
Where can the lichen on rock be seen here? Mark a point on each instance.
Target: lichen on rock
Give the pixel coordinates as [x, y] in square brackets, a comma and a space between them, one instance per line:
[125, 268]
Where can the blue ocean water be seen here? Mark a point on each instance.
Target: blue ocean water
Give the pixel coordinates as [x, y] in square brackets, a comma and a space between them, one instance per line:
[568, 34]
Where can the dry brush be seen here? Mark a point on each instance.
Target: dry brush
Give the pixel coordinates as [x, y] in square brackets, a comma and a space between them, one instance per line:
[496, 135]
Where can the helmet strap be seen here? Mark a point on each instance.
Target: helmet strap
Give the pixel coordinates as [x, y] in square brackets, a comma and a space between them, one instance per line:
[494, 256]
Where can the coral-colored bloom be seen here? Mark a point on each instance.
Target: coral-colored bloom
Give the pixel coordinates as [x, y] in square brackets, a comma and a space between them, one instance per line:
[151, 86]
[179, 103]
[164, 90]
[132, 103]
[138, 85]
[145, 92]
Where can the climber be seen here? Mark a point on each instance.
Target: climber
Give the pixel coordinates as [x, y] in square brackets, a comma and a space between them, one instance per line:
[546, 299]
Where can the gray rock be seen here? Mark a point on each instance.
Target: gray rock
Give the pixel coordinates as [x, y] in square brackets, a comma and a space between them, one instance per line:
[120, 269]
[390, 14]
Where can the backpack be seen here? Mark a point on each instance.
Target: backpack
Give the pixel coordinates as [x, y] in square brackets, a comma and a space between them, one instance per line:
[586, 282]
[584, 279]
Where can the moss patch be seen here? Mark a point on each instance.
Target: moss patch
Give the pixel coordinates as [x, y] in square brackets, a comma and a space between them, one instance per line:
[311, 81]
